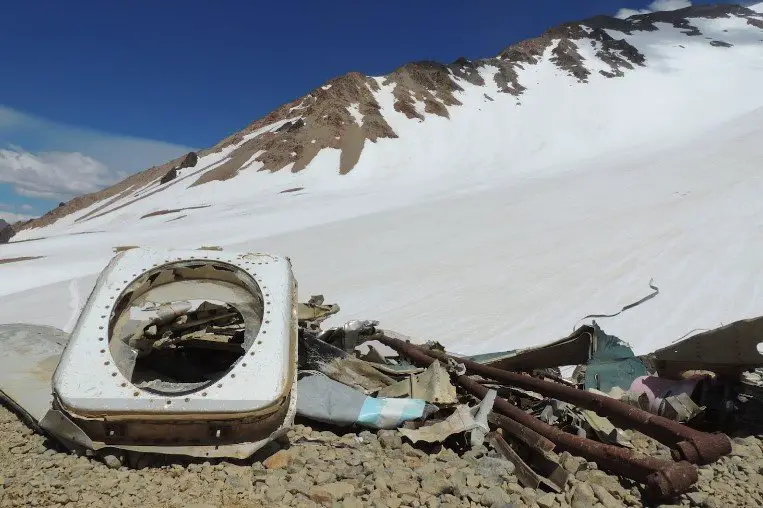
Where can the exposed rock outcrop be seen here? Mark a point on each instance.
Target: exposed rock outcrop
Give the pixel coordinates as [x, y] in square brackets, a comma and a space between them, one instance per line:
[189, 161]
[169, 176]
[6, 231]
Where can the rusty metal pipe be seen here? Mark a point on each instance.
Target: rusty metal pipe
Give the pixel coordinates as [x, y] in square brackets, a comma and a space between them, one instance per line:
[686, 443]
[663, 479]
[520, 432]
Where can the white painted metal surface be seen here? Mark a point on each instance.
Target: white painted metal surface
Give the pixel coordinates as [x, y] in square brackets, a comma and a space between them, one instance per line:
[88, 383]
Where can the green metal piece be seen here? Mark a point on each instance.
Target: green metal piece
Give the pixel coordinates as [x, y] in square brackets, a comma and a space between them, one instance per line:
[612, 363]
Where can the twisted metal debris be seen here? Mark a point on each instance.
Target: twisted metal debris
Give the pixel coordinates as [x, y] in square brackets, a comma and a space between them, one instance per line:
[663, 479]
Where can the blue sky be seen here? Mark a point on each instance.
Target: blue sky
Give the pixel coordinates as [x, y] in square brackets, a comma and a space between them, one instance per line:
[94, 90]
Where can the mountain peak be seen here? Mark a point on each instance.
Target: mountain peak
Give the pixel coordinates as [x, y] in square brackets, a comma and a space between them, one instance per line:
[349, 112]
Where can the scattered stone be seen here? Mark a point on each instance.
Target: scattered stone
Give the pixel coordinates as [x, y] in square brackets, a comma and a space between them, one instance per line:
[327, 494]
[436, 484]
[473, 481]
[546, 500]
[738, 450]
[712, 503]
[582, 496]
[392, 502]
[697, 498]
[323, 477]
[495, 470]
[351, 502]
[595, 477]
[112, 462]
[275, 493]
[570, 462]
[607, 499]
[475, 453]
[390, 439]
[495, 496]
[406, 487]
[394, 475]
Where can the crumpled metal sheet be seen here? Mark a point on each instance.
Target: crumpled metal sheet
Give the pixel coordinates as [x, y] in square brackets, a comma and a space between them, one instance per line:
[314, 311]
[612, 363]
[583, 422]
[639, 400]
[325, 400]
[680, 408]
[374, 355]
[604, 430]
[667, 397]
[463, 419]
[560, 413]
[318, 355]
[356, 373]
[433, 385]
[350, 334]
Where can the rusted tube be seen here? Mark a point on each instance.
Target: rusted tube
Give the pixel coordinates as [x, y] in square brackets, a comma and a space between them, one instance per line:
[686, 443]
[520, 432]
[664, 480]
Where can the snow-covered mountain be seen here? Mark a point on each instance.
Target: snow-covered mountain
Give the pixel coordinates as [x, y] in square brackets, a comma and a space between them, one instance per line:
[488, 203]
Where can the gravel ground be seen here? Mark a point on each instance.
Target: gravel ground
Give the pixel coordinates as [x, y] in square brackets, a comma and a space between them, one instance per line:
[355, 470]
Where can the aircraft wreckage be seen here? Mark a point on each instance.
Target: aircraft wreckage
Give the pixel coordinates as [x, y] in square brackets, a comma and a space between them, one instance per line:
[207, 353]
[188, 353]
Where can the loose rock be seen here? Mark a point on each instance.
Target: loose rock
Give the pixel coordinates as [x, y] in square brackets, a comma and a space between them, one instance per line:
[112, 462]
[436, 484]
[390, 439]
[546, 500]
[327, 494]
[495, 496]
[697, 498]
[386, 473]
[582, 496]
[278, 460]
[607, 499]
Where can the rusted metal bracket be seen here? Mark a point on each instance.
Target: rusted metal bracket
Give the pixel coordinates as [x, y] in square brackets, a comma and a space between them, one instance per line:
[521, 433]
[663, 479]
[527, 477]
[686, 443]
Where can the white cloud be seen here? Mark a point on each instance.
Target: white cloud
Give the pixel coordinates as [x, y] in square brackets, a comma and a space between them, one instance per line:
[61, 161]
[669, 5]
[11, 217]
[8, 214]
[656, 5]
[54, 175]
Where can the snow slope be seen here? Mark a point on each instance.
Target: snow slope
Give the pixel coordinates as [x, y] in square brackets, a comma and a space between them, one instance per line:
[497, 227]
